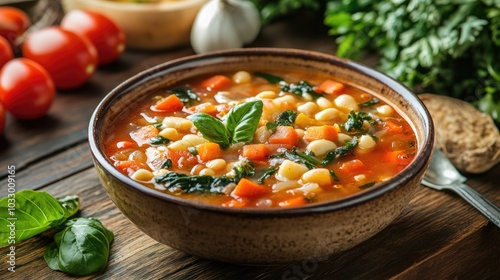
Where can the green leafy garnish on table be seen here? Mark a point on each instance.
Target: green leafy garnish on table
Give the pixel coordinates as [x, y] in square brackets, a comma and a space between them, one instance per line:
[81, 246]
[34, 212]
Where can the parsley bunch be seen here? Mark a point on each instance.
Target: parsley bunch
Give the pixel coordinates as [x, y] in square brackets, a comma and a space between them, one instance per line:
[449, 47]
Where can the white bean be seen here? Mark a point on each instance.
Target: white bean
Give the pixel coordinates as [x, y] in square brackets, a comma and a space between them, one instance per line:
[241, 77]
[346, 102]
[178, 123]
[290, 170]
[385, 110]
[194, 139]
[266, 94]
[321, 147]
[308, 108]
[320, 176]
[170, 133]
[142, 175]
[324, 103]
[207, 172]
[216, 164]
[327, 114]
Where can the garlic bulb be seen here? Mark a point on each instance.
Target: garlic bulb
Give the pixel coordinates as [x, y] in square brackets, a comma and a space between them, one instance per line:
[225, 24]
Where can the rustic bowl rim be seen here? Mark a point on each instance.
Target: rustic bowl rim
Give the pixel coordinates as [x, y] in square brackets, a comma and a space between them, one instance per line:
[419, 163]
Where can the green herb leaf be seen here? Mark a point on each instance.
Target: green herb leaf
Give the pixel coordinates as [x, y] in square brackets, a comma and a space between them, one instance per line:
[272, 79]
[193, 151]
[267, 173]
[355, 121]
[186, 95]
[334, 176]
[167, 164]
[242, 121]
[204, 184]
[159, 140]
[367, 185]
[35, 212]
[211, 128]
[369, 103]
[82, 247]
[300, 89]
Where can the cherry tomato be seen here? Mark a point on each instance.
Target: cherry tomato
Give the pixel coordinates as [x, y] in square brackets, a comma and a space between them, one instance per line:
[13, 23]
[26, 88]
[6, 53]
[69, 58]
[104, 33]
[2, 118]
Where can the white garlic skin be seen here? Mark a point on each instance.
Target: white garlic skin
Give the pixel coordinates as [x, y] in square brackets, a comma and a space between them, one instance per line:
[225, 24]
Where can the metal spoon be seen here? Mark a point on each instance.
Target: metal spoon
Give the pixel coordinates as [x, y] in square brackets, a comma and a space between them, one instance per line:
[442, 175]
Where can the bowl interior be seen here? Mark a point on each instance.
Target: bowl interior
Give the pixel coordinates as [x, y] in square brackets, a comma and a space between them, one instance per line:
[405, 102]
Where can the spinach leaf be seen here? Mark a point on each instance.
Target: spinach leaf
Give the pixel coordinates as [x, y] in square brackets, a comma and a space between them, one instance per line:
[367, 185]
[272, 79]
[82, 247]
[355, 121]
[286, 118]
[242, 121]
[193, 184]
[204, 184]
[159, 140]
[300, 89]
[369, 103]
[34, 212]
[311, 161]
[267, 173]
[186, 95]
[211, 128]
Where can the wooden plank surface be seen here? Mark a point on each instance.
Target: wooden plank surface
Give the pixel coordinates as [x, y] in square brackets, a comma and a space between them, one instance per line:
[438, 236]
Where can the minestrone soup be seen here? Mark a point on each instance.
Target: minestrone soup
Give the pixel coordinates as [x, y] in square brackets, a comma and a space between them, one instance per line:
[261, 139]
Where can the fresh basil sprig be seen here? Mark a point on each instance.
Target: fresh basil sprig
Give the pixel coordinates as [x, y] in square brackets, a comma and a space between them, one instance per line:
[34, 213]
[82, 247]
[239, 125]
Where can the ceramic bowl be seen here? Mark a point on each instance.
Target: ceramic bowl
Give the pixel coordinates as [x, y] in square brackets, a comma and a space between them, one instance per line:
[148, 26]
[261, 236]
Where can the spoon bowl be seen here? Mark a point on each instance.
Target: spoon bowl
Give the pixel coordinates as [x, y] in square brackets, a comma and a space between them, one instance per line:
[442, 175]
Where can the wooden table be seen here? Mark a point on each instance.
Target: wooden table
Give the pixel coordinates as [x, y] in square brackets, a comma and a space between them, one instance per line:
[438, 236]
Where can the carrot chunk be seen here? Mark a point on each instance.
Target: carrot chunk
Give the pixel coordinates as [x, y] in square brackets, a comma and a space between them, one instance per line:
[331, 87]
[292, 202]
[208, 151]
[327, 132]
[255, 151]
[207, 108]
[171, 103]
[247, 188]
[215, 83]
[286, 135]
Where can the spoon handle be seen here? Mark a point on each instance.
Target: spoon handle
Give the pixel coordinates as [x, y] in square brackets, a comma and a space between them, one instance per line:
[490, 210]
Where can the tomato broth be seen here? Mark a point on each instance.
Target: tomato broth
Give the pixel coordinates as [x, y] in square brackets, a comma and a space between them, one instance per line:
[261, 139]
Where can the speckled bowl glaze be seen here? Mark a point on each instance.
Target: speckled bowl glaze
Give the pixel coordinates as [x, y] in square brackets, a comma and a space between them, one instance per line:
[261, 236]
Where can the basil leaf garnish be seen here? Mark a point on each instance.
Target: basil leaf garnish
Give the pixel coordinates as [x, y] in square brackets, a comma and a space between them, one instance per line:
[239, 125]
[242, 121]
[211, 128]
[81, 248]
[35, 212]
